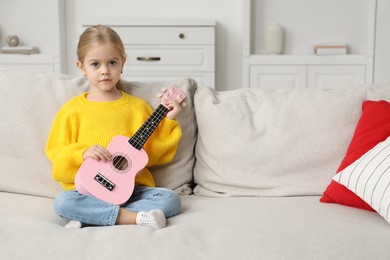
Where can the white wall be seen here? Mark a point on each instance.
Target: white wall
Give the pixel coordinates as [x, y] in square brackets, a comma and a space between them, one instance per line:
[308, 22]
[35, 22]
[382, 43]
[227, 13]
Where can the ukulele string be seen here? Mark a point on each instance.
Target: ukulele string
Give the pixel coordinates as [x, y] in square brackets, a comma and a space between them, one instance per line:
[152, 122]
[157, 115]
[123, 163]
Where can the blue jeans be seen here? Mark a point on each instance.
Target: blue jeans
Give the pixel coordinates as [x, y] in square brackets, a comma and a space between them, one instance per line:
[93, 211]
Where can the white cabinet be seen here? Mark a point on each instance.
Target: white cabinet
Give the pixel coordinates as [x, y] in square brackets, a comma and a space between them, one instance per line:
[33, 62]
[301, 71]
[335, 76]
[168, 50]
[311, 76]
[307, 70]
[278, 76]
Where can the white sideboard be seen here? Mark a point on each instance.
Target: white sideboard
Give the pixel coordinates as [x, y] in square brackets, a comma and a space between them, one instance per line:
[167, 49]
[32, 62]
[301, 71]
[308, 70]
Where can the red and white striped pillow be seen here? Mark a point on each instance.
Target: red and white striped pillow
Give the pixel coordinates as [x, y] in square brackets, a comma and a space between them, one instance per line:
[369, 178]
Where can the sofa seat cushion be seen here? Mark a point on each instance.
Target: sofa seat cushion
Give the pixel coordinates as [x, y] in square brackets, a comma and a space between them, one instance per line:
[207, 228]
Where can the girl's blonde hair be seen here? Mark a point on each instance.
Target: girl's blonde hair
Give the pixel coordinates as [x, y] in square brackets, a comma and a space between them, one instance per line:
[97, 35]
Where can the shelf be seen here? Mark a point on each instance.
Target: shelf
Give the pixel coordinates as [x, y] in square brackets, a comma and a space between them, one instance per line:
[293, 69]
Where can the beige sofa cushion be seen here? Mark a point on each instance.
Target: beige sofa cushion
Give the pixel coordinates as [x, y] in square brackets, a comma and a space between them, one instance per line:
[28, 104]
[289, 142]
[207, 229]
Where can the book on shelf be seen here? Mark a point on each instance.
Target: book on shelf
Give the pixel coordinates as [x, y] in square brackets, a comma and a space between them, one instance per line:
[330, 49]
[19, 50]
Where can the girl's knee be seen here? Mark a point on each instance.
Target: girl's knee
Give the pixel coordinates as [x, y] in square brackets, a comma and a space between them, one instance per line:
[58, 202]
[172, 202]
[63, 202]
[177, 205]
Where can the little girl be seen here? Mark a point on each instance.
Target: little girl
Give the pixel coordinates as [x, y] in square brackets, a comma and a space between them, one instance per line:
[85, 125]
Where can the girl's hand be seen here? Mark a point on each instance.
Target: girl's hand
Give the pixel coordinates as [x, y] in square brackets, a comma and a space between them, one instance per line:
[97, 152]
[173, 106]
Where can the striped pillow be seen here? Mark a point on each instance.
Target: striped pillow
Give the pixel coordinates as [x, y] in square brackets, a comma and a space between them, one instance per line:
[369, 178]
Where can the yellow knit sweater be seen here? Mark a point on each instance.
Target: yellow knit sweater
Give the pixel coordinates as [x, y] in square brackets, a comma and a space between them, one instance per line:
[81, 123]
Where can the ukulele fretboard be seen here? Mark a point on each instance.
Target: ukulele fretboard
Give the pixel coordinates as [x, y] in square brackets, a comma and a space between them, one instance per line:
[142, 135]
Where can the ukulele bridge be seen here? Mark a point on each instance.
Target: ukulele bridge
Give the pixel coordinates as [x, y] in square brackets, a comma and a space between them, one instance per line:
[104, 182]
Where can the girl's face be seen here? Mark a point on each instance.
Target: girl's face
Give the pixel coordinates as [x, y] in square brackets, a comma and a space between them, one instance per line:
[102, 65]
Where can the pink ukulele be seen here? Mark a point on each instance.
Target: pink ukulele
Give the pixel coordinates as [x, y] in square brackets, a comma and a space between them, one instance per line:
[113, 181]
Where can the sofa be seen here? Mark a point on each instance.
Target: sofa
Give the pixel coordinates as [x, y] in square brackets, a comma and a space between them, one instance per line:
[250, 169]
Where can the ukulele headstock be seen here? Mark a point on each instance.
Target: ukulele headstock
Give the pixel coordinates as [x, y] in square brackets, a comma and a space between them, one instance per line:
[173, 93]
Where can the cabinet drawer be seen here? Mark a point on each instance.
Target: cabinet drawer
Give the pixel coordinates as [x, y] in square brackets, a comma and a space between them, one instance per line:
[29, 67]
[336, 76]
[271, 77]
[169, 58]
[36, 62]
[202, 79]
[166, 35]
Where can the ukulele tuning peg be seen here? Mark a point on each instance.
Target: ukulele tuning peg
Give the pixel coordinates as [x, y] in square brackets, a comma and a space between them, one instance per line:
[163, 89]
[183, 104]
[159, 95]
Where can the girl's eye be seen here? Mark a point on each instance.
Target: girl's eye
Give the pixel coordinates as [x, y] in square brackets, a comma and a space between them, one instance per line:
[95, 64]
[112, 62]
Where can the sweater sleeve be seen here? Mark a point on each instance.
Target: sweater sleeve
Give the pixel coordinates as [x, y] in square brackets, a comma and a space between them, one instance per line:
[163, 143]
[61, 149]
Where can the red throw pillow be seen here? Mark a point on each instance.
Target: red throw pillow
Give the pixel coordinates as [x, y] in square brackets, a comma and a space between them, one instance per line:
[373, 127]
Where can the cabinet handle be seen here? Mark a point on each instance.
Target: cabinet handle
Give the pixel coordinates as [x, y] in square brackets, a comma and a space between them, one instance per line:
[148, 58]
[181, 35]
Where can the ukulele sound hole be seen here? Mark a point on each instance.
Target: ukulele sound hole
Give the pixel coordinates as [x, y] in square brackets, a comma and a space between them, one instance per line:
[120, 163]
